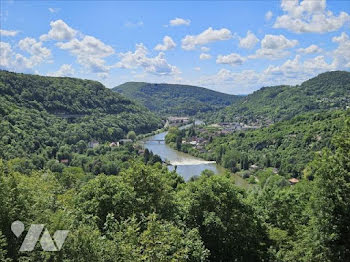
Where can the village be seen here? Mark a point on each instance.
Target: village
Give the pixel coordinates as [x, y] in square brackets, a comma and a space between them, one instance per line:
[203, 134]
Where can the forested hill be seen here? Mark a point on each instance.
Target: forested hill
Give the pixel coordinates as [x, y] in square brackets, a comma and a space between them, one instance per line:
[39, 113]
[175, 99]
[330, 90]
[62, 95]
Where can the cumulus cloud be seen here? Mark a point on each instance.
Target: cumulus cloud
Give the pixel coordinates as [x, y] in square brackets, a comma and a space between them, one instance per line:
[34, 48]
[312, 49]
[232, 82]
[179, 21]
[341, 54]
[268, 15]
[274, 47]
[6, 55]
[168, 44]
[231, 59]
[8, 32]
[156, 65]
[204, 56]
[88, 46]
[59, 31]
[17, 62]
[309, 16]
[277, 42]
[292, 71]
[64, 70]
[210, 35]
[249, 41]
[90, 53]
[295, 71]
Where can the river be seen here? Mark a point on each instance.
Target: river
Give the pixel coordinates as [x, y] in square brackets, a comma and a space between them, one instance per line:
[187, 165]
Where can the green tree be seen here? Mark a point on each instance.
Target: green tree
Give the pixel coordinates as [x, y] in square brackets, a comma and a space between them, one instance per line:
[329, 229]
[228, 226]
[131, 135]
[162, 241]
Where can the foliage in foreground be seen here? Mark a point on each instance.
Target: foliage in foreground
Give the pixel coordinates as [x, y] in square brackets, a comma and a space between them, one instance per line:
[146, 213]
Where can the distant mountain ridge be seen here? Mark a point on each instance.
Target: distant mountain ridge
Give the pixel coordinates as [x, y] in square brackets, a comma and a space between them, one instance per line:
[330, 90]
[173, 99]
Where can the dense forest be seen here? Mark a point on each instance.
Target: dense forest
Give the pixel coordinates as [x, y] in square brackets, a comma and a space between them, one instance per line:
[39, 115]
[287, 146]
[171, 99]
[329, 90]
[146, 213]
[61, 166]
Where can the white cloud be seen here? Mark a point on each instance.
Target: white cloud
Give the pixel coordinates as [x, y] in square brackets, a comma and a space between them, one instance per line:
[17, 62]
[168, 44]
[204, 56]
[249, 41]
[273, 47]
[312, 49]
[295, 71]
[90, 53]
[38, 52]
[268, 16]
[88, 46]
[341, 54]
[210, 35]
[34, 48]
[232, 82]
[64, 70]
[138, 59]
[59, 31]
[6, 55]
[309, 16]
[277, 42]
[290, 72]
[179, 21]
[231, 59]
[271, 54]
[205, 49]
[8, 32]
[197, 68]
[54, 10]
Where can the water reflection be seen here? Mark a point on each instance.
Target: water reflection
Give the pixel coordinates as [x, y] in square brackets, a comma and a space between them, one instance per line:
[187, 165]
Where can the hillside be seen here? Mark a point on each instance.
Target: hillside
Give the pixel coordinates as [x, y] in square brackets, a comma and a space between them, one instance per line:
[330, 90]
[288, 145]
[40, 114]
[174, 99]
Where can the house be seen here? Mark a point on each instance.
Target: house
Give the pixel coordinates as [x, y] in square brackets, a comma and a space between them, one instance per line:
[93, 144]
[125, 141]
[253, 167]
[293, 181]
[114, 144]
[175, 121]
[64, 161]
[141, 151]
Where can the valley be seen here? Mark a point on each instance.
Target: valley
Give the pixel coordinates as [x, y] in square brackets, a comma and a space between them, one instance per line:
[103, 165]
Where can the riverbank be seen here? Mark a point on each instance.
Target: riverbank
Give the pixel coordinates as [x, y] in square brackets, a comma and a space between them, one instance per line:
[186, 165]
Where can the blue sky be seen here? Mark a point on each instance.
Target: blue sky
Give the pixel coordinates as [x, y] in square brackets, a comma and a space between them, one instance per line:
[232, 46]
